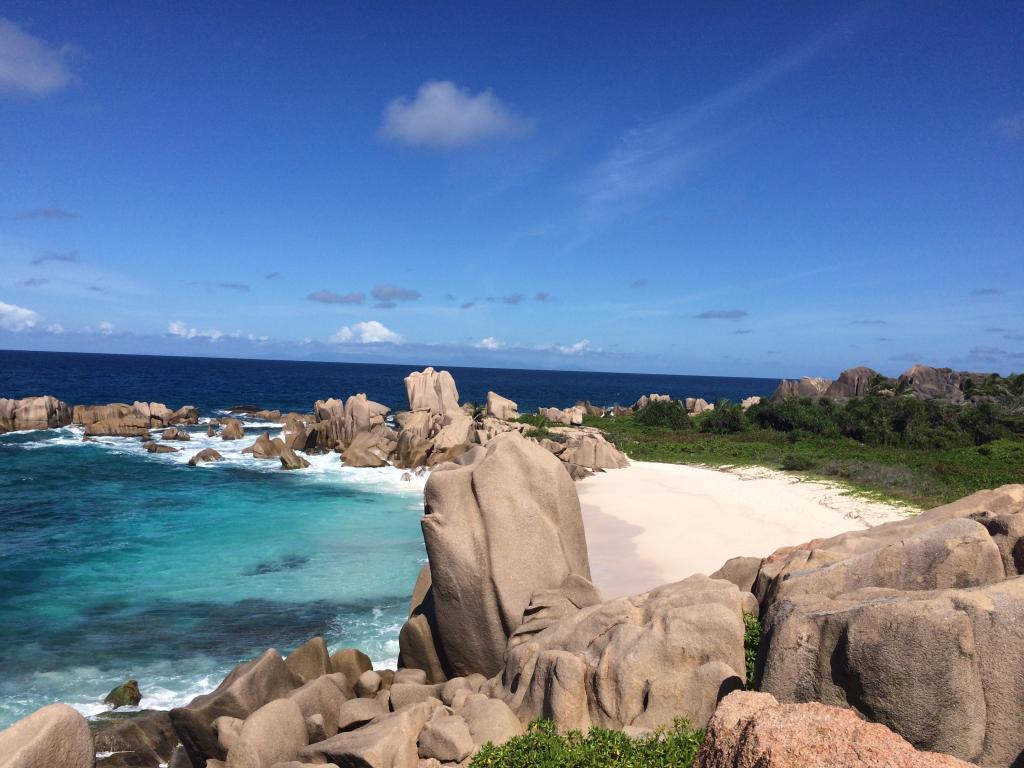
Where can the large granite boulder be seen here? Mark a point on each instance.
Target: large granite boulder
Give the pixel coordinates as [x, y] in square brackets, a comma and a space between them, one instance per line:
[941, 668]
[915, 624]
[592, 451]
[752, 730]
[274, 733]
[246, 689]
[367, 449]
[328, 424]
[458, 429]
[500, 523]
[805, 386]
[45, 412]
[362, 415]
[205, 456]
[136, 739]
[853, 382]
[53, 736]
[387, 742]
[935, 383]
[233, 430]
[638, 661]
[432, 391]
[499, 407]
[265, 448]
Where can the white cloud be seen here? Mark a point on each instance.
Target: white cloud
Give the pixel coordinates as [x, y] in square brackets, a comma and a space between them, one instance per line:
[17, 319]
[489, 343]
[29, 64]
[106, 328]
[55, 328]
[444, 115]
[368, 332]
[578, 348]
[182, 331]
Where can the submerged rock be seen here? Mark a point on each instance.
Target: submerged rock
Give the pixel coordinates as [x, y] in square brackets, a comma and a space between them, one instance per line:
[205, 455]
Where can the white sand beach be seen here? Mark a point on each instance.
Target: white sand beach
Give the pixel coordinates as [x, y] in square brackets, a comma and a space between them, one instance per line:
[650, 524]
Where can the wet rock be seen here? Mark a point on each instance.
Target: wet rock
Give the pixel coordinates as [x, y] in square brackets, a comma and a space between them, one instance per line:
[125, 695]
[232, 430]
[204, 456]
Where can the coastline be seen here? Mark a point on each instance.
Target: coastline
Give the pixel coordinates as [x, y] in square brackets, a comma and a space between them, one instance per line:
[651, 523]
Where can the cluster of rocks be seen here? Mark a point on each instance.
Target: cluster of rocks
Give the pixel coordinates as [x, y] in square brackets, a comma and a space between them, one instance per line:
[922, 381]
[916, 624]
[877, 643]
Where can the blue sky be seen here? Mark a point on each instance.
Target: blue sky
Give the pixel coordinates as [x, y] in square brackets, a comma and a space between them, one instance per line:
[754, 188]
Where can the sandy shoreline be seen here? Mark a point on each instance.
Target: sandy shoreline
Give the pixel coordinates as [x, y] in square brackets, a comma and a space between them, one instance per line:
[650, 523]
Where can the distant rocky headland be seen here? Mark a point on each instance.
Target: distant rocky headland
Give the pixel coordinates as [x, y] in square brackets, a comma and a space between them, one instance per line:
[899, 645]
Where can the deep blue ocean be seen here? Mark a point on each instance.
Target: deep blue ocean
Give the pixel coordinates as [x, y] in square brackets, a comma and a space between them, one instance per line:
[116, 563]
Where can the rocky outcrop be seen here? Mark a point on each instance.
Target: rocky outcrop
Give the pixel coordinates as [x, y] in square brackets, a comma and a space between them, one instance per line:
[752, 730]
[853, 382]
[366, 450]
[499, 407]
[125, 695]
[265, 448]
[749, 402]
[501, 523]
[591, 450]
[45, 412]
[245, 690]
[695, 405]
[173, 433]
[432, 391]
[914, 624]
[639, 661]
[204, 456]
[135, 420]
[569, 416]
[936, 383]
[289, 459]
[233, 430]
[50, 737]
[805, 386]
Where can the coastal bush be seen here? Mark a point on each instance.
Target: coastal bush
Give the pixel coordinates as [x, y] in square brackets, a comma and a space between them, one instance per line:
[670, 414]
[751, 644]
[543, 747]
[727, 418]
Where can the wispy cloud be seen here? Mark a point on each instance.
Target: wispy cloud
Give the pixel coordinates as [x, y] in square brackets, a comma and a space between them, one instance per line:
[868, 322]
[1010, 127]
[512, 298]
[273, 276]
[54, 214]
[722, 314]
[107, 328]
[468, 305]
[444, 116]
[330, 297]
[240, 287]
[543, 296]
[641, 283]
[29, 64]
[649, 159]
[17, 319]
[35, 282]
[986, 292]
[367, 332]
[742, 331]
[42, 258]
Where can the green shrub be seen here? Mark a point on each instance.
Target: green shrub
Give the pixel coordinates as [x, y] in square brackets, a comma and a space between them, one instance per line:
[542, 747]
[726, 419]
[795, 463]
[534, 420]
[663, 413]
[751, 642]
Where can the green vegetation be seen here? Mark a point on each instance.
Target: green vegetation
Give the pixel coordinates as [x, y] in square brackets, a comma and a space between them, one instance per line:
[542, 747]
[751, 642]
[663, 413]
[539, 427]
[893, 445]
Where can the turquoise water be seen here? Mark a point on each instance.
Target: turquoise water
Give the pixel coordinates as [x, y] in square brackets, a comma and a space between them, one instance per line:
[117, 563]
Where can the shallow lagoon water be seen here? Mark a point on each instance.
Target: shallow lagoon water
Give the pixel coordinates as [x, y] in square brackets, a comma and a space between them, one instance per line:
[117, 563]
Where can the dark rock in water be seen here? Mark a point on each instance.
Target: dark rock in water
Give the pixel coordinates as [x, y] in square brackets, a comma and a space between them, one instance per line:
[210, 431]
[135, 739]
[248, 410]
[286, 563]
[154, 447]
[232, 430]
[125, 695]
[207, 454]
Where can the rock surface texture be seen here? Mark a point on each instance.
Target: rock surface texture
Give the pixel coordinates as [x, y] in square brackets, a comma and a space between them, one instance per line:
[498, 526]
[752, 730]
